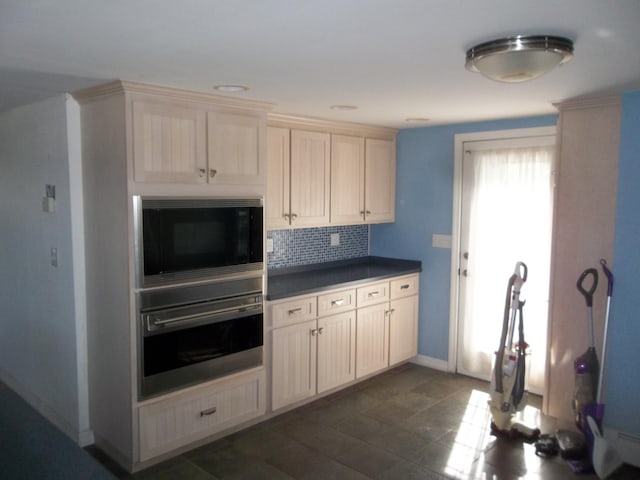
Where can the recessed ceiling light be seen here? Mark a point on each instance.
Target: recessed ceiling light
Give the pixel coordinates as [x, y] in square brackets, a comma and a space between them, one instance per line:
[231, 88]
[417, 119]
[344, 107]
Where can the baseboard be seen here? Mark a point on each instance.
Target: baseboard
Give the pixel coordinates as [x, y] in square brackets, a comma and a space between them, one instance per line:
[82, 438]
[626, 444]
[431, 362]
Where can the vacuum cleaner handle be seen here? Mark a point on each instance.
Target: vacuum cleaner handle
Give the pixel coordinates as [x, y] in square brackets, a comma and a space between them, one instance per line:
[521, 271]
[609, 275]
[588, 294]
[519, 277]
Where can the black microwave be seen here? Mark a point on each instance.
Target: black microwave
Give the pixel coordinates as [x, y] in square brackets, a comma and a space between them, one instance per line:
[188, 239]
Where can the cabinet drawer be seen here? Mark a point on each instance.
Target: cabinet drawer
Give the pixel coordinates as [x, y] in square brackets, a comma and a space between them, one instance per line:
[372, 294]
[184, 418]
[294, 311]
[336, 302]
[405, 286]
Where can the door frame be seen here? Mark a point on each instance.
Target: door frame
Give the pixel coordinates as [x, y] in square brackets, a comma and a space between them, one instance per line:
[458, 154]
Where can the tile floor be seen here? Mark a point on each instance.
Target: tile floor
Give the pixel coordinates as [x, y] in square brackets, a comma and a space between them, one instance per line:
[409, 423]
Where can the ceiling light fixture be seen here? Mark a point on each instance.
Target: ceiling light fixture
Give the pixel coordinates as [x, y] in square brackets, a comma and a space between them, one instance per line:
[417, 119]
[344, 107]
[520, 58]
[231, 88]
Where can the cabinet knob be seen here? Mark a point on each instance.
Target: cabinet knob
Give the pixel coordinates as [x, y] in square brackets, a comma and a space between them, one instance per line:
[320, 330]
[313, 332]
[362, 214]
[368, 212]
[213, 172]
[201, 171]
[287, 216]
[294, 215]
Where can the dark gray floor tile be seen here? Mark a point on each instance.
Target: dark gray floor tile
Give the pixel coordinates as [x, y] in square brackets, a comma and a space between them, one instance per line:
[333, 470]
[326, 440]
[410, 471]
[175, 469]
[298, 459]
[367, 459]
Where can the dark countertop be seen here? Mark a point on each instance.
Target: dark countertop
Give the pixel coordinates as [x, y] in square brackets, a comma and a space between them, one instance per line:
[292, 281]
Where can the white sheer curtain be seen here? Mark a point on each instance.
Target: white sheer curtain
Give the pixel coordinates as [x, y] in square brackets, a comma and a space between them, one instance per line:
[510, 221]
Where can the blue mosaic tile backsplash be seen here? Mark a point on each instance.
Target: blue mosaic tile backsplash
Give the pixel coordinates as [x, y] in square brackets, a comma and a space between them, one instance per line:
[304, 246]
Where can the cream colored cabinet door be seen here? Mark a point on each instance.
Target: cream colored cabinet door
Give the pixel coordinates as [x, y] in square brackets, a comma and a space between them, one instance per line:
[403, 329]
[294, 363]
[235, 153]
[309, 178]
[380, 180]
[347, 179]
[169, 143]
[336, 350]
[277, 201]
[372, 339]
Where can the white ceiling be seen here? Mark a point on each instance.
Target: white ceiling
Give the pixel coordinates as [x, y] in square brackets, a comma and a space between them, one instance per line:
[393, 58]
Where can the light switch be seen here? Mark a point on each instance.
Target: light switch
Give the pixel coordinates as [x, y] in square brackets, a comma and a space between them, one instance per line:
[440, 241]
[54, 257]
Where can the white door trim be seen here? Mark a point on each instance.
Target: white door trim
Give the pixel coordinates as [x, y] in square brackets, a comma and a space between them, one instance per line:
[458, 154]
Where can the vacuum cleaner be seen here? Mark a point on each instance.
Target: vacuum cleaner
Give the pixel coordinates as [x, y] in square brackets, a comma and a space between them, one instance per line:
[508, 393]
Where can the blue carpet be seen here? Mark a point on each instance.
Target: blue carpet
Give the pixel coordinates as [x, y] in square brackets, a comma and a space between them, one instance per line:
[31, 448]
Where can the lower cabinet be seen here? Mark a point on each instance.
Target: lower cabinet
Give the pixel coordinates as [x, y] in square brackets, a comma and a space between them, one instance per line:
[372, 335]
[312, 357]
[322, 342]
[187, 416]
[403, 329]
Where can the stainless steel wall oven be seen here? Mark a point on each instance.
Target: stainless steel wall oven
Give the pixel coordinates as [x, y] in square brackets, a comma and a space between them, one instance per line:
[190, 334]
[199, 289]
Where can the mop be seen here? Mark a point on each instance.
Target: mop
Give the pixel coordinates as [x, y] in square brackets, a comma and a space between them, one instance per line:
[508, 393]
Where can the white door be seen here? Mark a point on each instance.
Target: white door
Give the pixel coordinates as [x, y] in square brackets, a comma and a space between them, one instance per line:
[506, 217]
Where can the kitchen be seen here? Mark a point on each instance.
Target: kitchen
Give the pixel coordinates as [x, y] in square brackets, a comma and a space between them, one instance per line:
[67, 394]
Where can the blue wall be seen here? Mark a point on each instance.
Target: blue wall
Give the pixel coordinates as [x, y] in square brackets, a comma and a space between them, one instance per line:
[424, 197]
[623, 367]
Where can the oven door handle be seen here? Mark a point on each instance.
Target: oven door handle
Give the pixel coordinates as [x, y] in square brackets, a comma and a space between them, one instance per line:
[195, 316]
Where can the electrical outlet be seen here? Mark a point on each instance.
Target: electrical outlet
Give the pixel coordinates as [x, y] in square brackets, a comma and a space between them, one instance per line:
[335, 239]
[269, 245]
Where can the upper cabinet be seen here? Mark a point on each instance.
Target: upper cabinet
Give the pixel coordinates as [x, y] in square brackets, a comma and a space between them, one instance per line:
[363, 179]
[309, 176]
[325, 173]
[234, 149]
[169, 143]
[176, 137]
[298, 179]
[177, 144]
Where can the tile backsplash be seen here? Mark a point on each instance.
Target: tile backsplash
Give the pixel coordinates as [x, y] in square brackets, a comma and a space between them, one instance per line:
[303, 246]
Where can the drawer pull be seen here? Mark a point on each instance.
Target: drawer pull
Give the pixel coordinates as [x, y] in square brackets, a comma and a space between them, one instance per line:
[208, 411]
[337, 303]
[295, 311]
[405, 286]
[374, 294]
